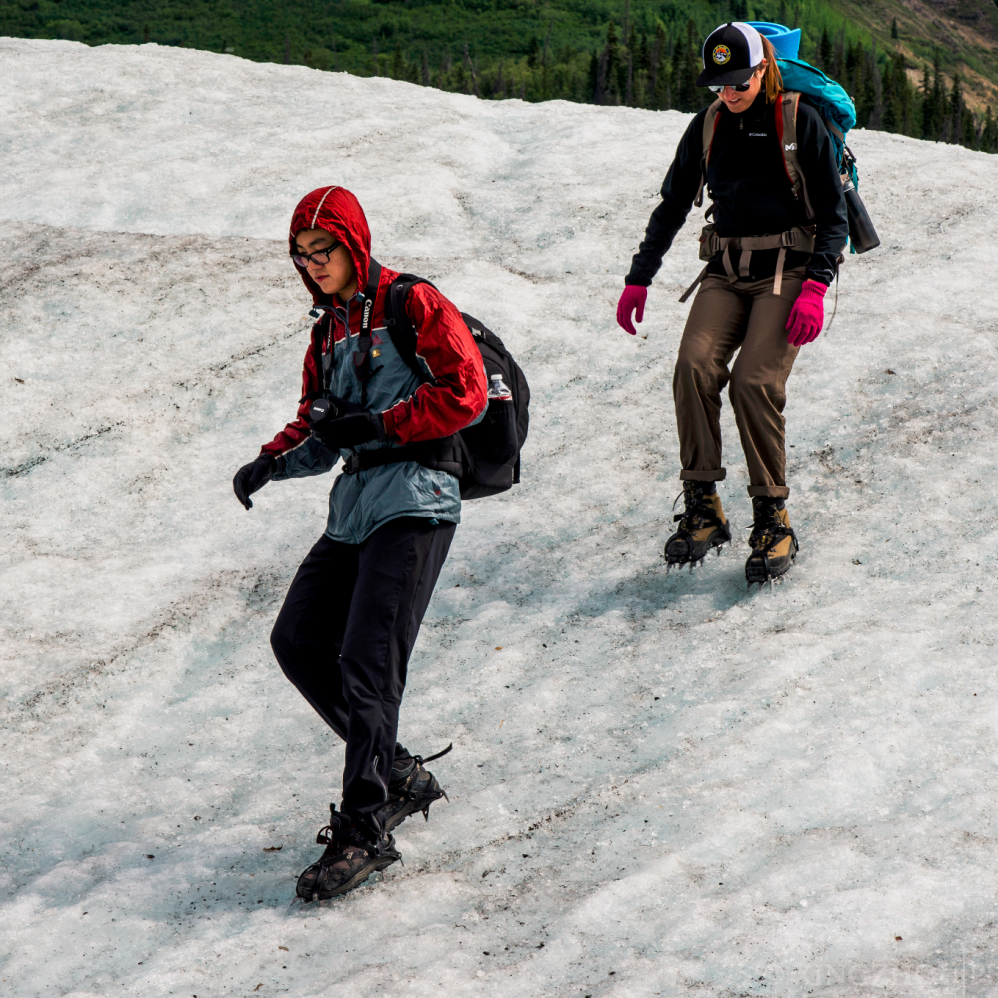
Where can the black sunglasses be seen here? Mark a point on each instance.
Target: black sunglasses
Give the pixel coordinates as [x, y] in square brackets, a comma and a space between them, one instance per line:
[739, 88]
[319, 256]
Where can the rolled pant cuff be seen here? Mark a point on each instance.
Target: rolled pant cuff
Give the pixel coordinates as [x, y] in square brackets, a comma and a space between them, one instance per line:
[771, 491]
[717, 475]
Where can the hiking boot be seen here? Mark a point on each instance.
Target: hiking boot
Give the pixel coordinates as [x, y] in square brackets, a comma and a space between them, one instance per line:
[353, 852]
[702, 526]
[774, 544]
[412, 789]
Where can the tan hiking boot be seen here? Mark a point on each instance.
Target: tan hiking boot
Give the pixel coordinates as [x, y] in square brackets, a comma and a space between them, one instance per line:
[774, 544]
[702, 526]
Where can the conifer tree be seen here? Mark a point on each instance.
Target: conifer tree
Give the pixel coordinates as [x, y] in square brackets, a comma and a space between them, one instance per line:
[989, 133]
[660, 71]
[676, 75]
[632, 44]
[690, 97]
[825, 51]
[938, 99]
[612, 66]
[956, 111]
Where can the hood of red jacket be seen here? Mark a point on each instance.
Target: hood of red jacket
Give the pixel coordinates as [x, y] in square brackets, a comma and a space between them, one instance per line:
[337, 211]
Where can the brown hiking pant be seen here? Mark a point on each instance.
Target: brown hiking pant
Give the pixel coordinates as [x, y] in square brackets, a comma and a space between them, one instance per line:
[723, 318]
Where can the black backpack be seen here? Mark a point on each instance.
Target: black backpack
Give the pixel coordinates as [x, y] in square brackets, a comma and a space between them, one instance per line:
[485, 457]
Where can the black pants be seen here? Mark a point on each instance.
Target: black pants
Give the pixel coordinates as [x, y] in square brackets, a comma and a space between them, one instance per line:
[344, 636]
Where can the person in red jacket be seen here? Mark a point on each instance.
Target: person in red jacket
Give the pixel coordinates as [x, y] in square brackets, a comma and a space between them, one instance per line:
[350, 619]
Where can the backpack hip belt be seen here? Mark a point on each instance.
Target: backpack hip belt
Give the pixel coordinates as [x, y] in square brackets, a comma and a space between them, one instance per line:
[446, 454]
[799, 238]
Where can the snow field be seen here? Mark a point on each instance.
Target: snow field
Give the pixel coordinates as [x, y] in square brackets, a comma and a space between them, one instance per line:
[674, 785]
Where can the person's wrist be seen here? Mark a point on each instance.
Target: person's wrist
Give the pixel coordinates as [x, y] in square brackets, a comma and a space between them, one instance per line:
[814, 287]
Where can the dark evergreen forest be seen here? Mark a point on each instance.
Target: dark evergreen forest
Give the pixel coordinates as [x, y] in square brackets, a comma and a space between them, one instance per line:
[603, 52]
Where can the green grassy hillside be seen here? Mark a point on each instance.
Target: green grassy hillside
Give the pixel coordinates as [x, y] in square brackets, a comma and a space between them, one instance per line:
[922, 67]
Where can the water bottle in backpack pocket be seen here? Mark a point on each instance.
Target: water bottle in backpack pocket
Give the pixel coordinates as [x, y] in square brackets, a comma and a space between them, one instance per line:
[495, 436]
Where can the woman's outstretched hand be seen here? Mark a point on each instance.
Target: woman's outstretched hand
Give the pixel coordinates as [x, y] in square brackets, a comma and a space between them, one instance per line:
[808, 314]
[631, 301]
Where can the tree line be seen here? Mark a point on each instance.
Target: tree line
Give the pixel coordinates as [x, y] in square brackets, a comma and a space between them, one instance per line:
[658, 71]
[558, 49]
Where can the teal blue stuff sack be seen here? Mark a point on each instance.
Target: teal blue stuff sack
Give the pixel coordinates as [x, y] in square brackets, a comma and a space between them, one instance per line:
[829, 98]
[831, 102]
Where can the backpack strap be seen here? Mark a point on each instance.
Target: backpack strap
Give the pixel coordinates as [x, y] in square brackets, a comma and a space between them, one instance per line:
[786, 134]
[399, 324]
[448, 454]
[710, 122]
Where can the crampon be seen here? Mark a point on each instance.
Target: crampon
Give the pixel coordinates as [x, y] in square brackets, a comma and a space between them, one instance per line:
[353, 853]
[773, 542]
[413, 791]
[702, 527]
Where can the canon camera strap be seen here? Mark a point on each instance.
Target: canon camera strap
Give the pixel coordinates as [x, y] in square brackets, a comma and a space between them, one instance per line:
[362, 354]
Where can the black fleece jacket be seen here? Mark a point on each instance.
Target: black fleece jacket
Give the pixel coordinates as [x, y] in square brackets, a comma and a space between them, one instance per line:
[751, 192]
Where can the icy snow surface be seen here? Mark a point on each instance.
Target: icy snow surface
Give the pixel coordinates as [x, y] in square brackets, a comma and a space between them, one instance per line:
[660, 785]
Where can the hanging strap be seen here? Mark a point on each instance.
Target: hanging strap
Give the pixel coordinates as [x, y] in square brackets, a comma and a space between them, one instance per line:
[322, 326]
[694, 285]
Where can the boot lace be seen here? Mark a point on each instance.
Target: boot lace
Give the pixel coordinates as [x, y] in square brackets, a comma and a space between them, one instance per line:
[768, 530]
[698, 512]
[420, 760]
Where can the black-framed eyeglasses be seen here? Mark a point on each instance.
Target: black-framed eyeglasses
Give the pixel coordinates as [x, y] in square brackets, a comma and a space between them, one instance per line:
[319, 256]
[739, 88]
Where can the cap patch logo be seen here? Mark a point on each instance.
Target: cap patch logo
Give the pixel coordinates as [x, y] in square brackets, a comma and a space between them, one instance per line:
[721, 54]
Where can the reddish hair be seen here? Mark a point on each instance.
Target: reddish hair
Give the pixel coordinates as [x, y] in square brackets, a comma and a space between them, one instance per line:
[772, 79]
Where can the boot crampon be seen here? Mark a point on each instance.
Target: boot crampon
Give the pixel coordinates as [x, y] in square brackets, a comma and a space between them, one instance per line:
[354, 850]
[773, 542]
[702, 526]
[412, 789]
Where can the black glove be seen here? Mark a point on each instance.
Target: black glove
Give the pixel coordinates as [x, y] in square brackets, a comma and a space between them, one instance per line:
[251, 478]
[348, 431]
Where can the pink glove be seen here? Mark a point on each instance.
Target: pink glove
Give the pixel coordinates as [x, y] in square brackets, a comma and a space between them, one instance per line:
[808, 314]
[632, 300]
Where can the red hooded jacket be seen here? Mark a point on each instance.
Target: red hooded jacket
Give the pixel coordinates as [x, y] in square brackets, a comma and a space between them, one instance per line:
[458, 392]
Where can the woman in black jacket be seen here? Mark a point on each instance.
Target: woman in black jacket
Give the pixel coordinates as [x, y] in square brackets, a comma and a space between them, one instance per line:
[771, 252]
